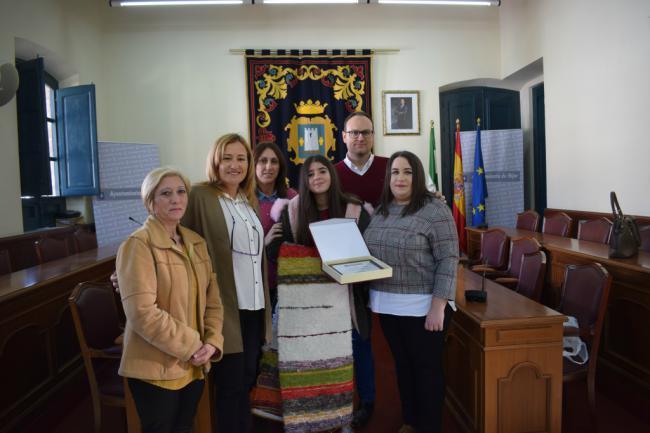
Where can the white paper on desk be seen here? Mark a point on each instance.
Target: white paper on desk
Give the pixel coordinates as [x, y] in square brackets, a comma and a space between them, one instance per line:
[338, 239]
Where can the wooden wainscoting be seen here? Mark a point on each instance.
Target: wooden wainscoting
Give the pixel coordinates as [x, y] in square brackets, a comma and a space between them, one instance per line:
[39, 352]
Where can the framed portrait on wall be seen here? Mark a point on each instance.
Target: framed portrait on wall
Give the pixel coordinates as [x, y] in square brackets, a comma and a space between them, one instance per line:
[401, 112]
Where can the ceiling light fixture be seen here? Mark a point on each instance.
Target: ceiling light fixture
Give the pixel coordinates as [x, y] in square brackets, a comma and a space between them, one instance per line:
[173, 2]
[443, 2]
[293, 2]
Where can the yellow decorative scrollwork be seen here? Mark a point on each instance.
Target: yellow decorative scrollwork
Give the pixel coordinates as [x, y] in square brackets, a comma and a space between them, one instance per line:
[274, 85]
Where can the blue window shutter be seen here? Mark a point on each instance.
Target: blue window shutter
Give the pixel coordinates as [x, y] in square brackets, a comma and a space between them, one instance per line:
[77, 141]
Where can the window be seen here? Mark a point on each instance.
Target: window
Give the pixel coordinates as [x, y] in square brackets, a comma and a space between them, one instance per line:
[50, 117]
[57, 143]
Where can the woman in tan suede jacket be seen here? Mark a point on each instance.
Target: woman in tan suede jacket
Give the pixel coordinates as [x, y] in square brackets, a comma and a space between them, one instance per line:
[173, 309]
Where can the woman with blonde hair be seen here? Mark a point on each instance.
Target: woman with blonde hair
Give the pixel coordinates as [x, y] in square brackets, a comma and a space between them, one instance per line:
[224, 210]
[173, 309]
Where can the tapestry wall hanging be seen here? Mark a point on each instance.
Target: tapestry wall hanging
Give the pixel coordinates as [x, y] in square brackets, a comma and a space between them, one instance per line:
[299, 102]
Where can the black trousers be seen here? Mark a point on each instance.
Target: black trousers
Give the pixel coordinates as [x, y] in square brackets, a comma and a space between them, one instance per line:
[235, 375]
[418, 362]
[163, 410]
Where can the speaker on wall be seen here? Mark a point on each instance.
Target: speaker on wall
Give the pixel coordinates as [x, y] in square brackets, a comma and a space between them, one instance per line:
[8, 82]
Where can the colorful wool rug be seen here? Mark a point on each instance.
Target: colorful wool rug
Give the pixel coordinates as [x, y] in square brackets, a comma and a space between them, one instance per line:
[266, 401]
[314, 344]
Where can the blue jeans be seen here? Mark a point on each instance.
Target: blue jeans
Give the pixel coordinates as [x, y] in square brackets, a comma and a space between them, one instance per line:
[364, 367]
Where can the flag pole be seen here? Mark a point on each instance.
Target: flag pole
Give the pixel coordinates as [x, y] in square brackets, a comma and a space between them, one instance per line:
[433, 173]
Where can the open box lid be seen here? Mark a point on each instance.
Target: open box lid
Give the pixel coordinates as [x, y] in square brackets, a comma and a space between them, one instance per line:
[338, 239]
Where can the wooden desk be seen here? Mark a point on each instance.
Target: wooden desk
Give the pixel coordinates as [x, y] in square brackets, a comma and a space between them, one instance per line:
[39, 352]
[504, 362]
[624, 350]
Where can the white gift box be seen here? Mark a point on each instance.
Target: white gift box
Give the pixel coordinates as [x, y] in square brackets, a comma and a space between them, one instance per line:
[344, 253]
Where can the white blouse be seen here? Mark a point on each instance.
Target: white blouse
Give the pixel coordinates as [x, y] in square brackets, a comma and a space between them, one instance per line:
[246, 237]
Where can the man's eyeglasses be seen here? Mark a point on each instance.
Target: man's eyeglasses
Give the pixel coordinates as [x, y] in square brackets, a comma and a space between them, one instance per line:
[257, 241]
[354, 133]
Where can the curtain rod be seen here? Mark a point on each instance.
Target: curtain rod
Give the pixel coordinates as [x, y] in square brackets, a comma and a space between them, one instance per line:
[242, 51]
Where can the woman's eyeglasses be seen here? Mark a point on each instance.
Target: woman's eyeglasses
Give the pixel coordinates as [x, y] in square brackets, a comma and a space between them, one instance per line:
[256, 235]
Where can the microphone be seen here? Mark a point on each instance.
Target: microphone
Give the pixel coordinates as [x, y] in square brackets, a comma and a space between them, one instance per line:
[477, 295]
[135, 220]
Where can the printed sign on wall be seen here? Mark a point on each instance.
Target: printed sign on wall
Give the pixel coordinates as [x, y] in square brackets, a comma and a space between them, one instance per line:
[503, 159]
[122, 167]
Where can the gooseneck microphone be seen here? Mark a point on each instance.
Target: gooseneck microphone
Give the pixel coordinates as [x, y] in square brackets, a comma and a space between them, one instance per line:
[135, 220]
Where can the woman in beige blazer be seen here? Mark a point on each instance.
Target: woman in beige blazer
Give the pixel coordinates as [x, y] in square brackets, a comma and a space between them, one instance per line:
[174, 314]
[224, 211]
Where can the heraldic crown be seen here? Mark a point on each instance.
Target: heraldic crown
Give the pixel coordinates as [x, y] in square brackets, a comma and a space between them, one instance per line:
[310, 108]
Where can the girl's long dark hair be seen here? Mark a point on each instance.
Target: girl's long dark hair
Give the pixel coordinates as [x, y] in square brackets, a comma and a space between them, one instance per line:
[420, 196]
[280, 181]
[307, 210]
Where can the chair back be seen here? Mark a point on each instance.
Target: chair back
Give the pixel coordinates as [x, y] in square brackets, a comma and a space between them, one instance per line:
[48, 249]
[84, 240]
[519, 247]
[531, 275]
[585, 292]
[558, 224]
[528, 220]
[598, 230]
[5, 262]
[95, 312]
[96, 321]
[645, 238]
[494, 248]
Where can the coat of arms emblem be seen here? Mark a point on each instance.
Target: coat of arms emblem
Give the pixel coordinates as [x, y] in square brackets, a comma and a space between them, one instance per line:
[311, 133]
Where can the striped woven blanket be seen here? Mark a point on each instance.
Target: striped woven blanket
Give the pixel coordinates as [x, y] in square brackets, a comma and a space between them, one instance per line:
[314, 344]
[266, 401]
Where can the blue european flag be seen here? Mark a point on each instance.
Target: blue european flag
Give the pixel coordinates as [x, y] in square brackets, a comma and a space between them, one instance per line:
[479, 186]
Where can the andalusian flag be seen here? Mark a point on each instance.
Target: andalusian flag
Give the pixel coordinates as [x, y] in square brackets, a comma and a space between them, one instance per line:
[479, 186]
[458, 205]
[432, 158]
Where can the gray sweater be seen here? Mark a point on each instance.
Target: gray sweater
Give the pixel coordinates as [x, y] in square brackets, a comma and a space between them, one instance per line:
[422, 249]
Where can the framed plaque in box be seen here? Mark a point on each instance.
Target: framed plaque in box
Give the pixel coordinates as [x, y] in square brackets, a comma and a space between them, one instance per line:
[344, 254]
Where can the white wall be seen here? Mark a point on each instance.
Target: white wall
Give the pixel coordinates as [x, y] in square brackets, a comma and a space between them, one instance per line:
[597, 95]
[11, 221]
[71, 29]
[165, 76]
[173, 82]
